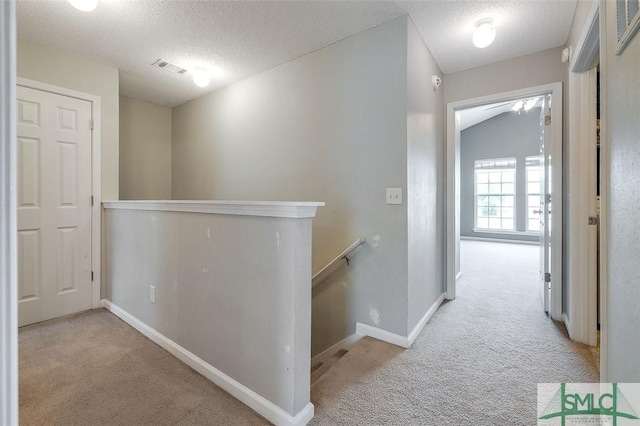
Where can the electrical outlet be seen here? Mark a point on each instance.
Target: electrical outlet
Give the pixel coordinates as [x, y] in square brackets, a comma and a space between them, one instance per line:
[152, 293]
[394, 195]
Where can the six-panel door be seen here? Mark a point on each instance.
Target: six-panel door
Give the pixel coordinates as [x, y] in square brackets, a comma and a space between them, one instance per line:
[54, 205]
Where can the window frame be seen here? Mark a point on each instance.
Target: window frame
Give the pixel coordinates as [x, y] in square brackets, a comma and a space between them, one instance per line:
[509, 160]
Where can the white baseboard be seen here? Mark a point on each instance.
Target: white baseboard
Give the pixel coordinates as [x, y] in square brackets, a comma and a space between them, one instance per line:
[380, 334]
[423, 321]
[262, 406]
[346, 343]
[567, 325]
[500, 240]
[396, 339]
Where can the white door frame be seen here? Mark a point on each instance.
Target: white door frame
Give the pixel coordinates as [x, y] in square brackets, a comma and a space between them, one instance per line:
[453, 173]
[582, 322]
[96, 229]
[604, 200]
[8, 220]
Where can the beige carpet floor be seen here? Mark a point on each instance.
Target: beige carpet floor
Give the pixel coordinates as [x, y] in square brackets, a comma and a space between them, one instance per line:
[477, 361]
[93, 369]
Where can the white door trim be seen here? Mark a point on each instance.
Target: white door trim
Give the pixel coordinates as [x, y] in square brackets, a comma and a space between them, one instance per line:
[582, 244]
[604, 202]
[587, 48]
[8, 220]
[96, 211]
[452, 195]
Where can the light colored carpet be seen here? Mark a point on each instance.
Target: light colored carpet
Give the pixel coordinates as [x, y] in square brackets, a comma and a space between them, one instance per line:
[93, 369]
[477, 361]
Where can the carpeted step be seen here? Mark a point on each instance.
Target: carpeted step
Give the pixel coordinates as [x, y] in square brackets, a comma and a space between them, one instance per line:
[321, 367]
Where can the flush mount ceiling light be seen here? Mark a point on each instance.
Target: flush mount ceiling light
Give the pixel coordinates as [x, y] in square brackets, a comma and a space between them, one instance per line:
[201, 76]
[484, 34]
[84, 5]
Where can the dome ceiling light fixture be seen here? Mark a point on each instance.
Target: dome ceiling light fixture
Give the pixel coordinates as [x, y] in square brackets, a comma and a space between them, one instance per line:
[201, 76]
[484, 34]
[84, 5]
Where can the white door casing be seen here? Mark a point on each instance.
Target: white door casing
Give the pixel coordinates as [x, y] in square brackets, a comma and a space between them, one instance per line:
[54, 205]
[605, 156]
[452, 198]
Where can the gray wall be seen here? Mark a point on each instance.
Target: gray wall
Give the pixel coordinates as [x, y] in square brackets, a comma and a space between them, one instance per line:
[506, 135]
[513, 74]
[623, 137]
[330, 126]
[233, 290]
[145, 150]
[425, 179]
[42, 64]
[579, 20]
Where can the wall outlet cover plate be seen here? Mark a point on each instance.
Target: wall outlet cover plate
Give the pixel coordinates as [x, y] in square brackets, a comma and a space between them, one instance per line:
[394, 195]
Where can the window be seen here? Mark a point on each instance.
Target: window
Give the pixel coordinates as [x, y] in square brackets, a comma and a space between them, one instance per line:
[495, 193]
[533, 193]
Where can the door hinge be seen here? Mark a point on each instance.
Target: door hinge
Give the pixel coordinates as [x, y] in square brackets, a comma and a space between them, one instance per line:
[91, 124]
[91, 276]
[593, 220]
[92, 201]
[547, 198]
[547, 277]
[547, 120]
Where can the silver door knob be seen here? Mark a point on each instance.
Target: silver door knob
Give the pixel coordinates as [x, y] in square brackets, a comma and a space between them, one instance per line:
[537, 211]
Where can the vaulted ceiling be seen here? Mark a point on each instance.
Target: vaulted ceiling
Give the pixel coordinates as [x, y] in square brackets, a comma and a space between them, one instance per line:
[244, 38]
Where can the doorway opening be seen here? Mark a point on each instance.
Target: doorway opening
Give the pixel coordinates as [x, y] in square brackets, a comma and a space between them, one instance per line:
[501, 188]
[500, 194]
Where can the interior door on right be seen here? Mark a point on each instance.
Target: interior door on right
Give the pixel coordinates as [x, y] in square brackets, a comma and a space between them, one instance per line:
[545, 203]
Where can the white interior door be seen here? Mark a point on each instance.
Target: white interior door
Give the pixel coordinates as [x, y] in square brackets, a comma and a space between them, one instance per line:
[545, 203]
[54, 205]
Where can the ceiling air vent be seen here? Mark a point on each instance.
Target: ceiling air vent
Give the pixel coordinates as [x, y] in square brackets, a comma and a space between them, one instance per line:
[168, 67]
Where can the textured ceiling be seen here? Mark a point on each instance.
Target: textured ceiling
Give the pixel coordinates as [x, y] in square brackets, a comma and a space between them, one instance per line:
[244, 38]
[522, 27]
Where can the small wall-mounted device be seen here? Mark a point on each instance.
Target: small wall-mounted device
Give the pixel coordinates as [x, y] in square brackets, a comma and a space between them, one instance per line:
[566, 54]
[436, 82]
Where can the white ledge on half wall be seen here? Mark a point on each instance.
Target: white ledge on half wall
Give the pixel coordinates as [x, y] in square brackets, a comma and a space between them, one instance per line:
[286, 209]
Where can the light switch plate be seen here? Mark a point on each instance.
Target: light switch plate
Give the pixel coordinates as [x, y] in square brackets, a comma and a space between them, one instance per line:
[394, 195]
[152, 293]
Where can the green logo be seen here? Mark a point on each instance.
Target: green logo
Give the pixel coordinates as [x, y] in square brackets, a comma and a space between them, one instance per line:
[565, 404]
